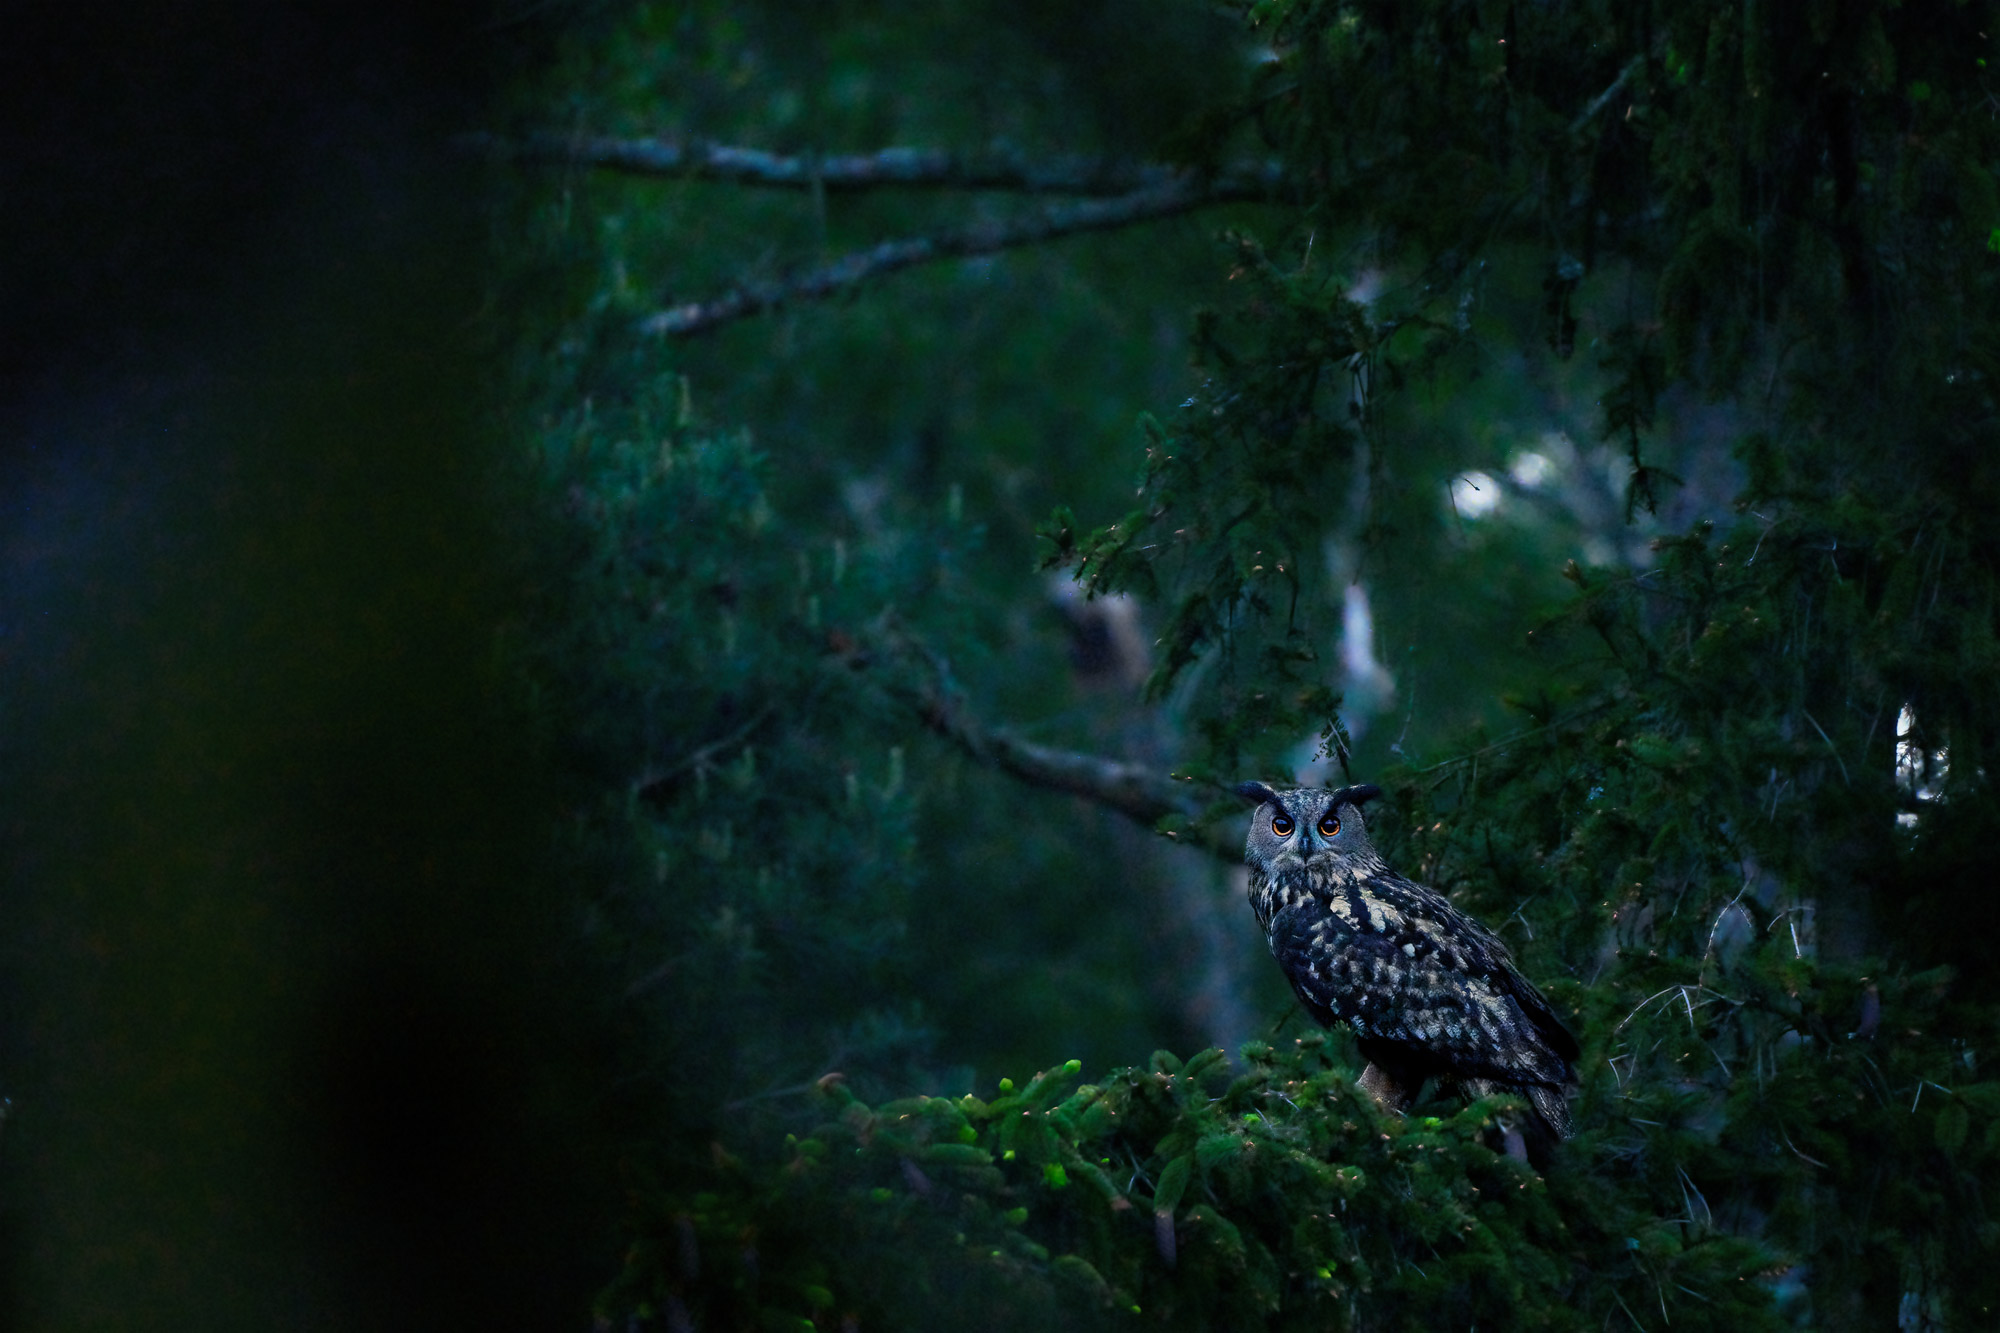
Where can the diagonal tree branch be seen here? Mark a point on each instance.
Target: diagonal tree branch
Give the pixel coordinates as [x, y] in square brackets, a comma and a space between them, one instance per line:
[1604, 99]
[1179, 195]
[924, 168]
[1143, 795]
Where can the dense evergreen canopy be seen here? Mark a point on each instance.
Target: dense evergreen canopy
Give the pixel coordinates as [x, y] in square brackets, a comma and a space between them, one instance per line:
[1688, 304]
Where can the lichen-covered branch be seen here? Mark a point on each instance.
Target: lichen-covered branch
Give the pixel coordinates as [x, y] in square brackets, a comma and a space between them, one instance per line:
[1179, 195]
[920, 168]
[1142, 794]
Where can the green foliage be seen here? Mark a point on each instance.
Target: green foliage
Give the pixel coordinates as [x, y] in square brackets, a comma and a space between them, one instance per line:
[1828, 246]
[1688, 821]
[1726, 797]
[703, 649]
[1241, 568]
[1272, 1194]
[703, 695]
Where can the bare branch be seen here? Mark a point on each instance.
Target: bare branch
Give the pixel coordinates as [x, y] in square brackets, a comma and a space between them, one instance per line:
[1604, 99]
[922, 168]
[1180, 195]
[1143, 795]
[653, 780]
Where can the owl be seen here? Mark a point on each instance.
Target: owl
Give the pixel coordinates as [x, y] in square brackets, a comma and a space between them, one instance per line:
[1428, 991]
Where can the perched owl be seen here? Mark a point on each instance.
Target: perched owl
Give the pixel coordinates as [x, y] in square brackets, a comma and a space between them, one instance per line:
[1428, 991]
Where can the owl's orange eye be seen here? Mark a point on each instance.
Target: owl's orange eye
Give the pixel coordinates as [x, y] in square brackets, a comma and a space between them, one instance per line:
[1329, 826]
[1281, 825]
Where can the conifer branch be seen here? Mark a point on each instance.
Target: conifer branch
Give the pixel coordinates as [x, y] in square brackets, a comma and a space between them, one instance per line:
[1180, 194]
[921, 168]
[1141, 794]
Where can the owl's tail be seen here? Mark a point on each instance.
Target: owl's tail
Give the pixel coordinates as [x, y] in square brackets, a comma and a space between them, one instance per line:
[1551, 1108]
[1548, 1122]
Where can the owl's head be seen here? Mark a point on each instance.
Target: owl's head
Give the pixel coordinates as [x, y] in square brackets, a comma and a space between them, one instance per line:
[1297, 824]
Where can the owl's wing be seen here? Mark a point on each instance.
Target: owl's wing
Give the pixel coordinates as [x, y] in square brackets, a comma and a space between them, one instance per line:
[1464, 945]
[1469, 947]
[1554, 1031]
[1416, 987]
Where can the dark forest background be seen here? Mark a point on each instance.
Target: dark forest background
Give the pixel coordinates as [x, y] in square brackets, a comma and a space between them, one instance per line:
[625, 629]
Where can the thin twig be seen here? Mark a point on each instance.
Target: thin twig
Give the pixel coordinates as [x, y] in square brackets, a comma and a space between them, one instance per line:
[651, 781]
[1831, 746]
[1604, 99]
[1795, 1149]
[1628, 1311]
[1769, 523]
[1689, 1187]
[1687, 998]
[1921, 1083]
[1517, 737]
[1709, 951]
[917, 168]
[1642, 1004]
[1796, 908]
[1178, 195]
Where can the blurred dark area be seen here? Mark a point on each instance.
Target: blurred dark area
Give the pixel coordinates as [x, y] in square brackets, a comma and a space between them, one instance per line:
[284, 1035]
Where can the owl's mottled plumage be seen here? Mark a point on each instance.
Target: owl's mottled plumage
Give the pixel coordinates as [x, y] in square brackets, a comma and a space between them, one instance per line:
[1428, 991]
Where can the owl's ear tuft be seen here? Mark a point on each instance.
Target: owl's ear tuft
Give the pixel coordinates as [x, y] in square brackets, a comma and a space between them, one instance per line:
[1356, 795]
[1255, 791]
